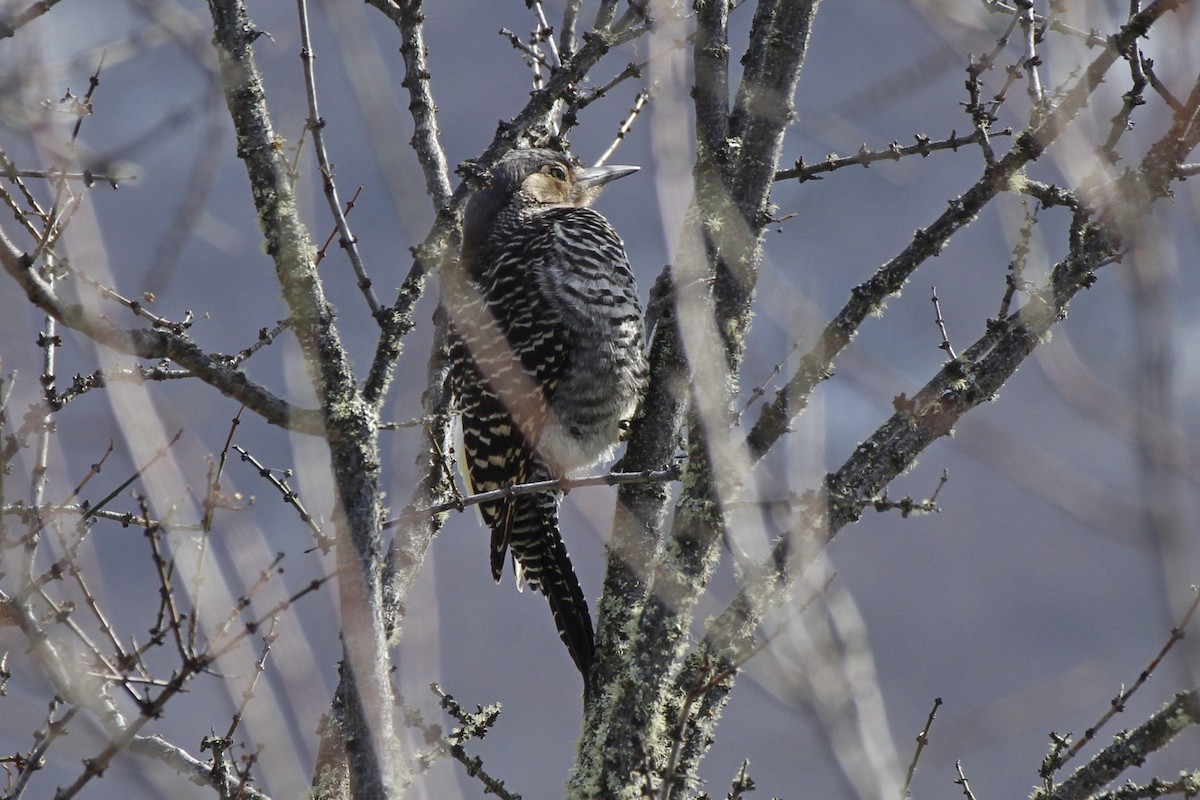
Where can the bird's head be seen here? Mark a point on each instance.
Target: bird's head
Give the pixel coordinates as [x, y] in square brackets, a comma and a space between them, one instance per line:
[532, 178]
[548, 178]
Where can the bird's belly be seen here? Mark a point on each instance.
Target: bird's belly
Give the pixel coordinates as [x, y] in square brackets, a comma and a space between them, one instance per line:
[591, 405]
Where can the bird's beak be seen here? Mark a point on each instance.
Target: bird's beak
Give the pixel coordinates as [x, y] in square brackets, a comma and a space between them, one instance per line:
[598, 176]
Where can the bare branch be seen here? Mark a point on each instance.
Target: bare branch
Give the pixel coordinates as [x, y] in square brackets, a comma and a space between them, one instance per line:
[1117, 704]
[156, 344]
[350, 420]
[290, 496]
[815, 366]
[922, 741]
[962, 783]
[518, 490]
[1128, 749]
[941, 325]
[316, 126]
[895, 151]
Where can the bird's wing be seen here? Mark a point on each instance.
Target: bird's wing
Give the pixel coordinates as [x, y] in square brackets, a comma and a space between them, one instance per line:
[511, 353]
[585, 259]
[497, 413]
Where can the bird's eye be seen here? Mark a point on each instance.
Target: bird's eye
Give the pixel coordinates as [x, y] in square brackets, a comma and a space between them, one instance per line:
[557, 171]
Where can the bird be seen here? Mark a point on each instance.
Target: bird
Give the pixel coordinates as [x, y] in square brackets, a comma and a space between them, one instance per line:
[546, 359]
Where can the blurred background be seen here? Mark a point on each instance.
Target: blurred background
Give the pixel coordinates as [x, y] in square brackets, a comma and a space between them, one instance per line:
[1057, 563]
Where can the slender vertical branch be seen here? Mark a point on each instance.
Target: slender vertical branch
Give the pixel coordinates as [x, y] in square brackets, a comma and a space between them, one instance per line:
[351, 424]
[397, 320]
[567, 32]
[316, 127]
[417, 81]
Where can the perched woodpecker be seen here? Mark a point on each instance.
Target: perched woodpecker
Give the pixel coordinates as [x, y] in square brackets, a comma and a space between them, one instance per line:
[547, 359]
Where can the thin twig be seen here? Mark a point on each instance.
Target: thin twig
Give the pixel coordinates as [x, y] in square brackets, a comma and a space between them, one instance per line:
[639, 102]
[906, 505]
[1092, 38]
[329, 239]
[1031, 60]
[518, 490]
[126, 519]
[1128, 749]
[290, 496]
[1122, 121]
[962, 781]
[265, 337]
[895, 151]
[536, 57]
[760, 390]
[33, 760]
[87, 176]
[474, 726]
[941, 324]
[316, 126]
[1117, 704]
[162, 452]
[136, 306]
[86, 104]
[1014, 279]
[922, 741]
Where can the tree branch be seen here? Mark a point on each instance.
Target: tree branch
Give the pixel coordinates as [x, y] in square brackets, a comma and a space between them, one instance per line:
[963, 383]
[214, 370]
[1128, 749]
[816, 365]
[351, 423]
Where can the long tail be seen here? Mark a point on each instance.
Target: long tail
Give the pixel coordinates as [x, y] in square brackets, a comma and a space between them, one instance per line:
[541, 559]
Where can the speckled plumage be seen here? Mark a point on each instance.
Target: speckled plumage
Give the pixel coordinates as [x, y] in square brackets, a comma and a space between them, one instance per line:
[547, 357]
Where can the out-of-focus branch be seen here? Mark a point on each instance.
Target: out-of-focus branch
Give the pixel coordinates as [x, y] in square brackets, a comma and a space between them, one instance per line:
[9, 26]
[87, 177]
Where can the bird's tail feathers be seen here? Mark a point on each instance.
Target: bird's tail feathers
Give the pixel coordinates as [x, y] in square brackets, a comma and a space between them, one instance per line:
[542, 560]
